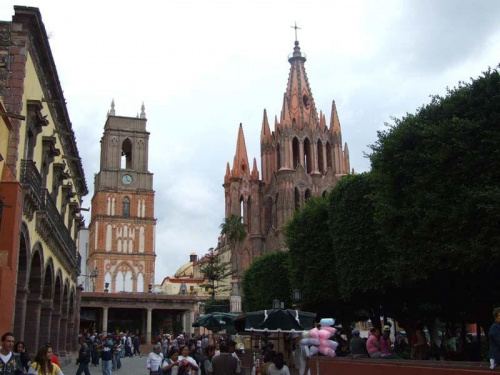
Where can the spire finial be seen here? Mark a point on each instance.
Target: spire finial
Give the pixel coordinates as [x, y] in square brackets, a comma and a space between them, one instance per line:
[112, 111]
[296, 28]
[143, 111]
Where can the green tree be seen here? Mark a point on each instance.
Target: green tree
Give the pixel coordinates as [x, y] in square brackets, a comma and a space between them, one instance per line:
[215, 272]
[235, 231]
[311, 255]
[267, 278]
[439, 208]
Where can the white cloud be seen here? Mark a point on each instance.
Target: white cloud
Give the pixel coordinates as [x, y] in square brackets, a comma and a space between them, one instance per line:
[203, 67]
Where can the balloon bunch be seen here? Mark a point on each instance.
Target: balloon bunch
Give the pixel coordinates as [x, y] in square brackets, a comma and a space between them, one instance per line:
[318, 339]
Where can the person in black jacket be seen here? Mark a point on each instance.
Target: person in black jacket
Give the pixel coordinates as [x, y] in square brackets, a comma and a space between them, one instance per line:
[83, 358]
[494, 336]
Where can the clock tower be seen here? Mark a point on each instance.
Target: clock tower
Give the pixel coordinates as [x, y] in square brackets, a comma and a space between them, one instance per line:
[122, 226]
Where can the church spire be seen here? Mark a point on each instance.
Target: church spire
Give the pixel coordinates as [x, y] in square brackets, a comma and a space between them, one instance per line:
[227, 176]
[334, 120]
[255, 172]
[265, 133]
[298, 102]
[240, 163]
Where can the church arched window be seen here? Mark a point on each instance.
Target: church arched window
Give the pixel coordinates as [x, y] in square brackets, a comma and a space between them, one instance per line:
[307, 194]
[328, 155]
[126, 156]
[296, 153]
[268, 214]
[278, 156]
[321, 163]
[307, 156]
[126, 207]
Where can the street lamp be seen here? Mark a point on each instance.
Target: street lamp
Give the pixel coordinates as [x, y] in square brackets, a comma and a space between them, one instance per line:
[297, 295]
[276, 303]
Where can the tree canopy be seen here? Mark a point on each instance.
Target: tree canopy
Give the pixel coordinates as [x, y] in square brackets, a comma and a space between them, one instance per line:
[267, 278]
[215, 272]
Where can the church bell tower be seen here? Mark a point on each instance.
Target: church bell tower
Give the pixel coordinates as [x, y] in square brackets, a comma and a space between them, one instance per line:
[122, 227]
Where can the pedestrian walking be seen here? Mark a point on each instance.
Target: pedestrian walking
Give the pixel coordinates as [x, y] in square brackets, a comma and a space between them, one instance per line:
[494, 336]
[209, 353]
[154, 360]
[83, 357]
[42, 364]
[137, 344]
[107, 357]
[224, 363]
[10, 364]
[187, 364]
[170, 366]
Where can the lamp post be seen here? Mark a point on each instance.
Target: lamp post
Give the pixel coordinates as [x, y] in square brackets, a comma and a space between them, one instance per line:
[297, 296]
[276, 303]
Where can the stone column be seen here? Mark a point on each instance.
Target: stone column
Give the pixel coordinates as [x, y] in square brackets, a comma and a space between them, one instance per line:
[149, 323]
[325, 160]
[63, 334]
[55, 330]
[78, 301]
[32, 323]
[70, 334]
[301, 153]
[20, 313]
[45, 322]
[315, 157]
[105, 320]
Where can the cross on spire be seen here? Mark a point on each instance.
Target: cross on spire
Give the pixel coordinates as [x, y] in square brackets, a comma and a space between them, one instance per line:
[296, 28]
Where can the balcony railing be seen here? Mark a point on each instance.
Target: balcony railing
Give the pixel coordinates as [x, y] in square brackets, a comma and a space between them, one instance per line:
[31, 179]
[59, 229]
[50, 224]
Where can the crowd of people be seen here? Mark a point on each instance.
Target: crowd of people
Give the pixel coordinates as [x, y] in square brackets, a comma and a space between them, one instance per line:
[216, 354]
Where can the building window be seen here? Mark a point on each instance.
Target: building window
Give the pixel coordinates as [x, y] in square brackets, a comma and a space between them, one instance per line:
[126, 207]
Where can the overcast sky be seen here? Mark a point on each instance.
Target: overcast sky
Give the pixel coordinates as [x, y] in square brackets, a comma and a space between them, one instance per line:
[202, 67]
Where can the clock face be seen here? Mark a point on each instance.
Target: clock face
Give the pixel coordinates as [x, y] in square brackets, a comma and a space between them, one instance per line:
[127, 179]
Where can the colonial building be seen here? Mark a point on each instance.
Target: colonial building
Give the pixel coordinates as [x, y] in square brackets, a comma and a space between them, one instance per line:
[41, 189]
[122, 226]
[302, 157]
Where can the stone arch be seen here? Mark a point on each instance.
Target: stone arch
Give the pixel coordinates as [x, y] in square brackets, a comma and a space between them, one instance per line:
[140, 282]
[248, 214]
[126, 154]
[295, 152]
[307, 156]
[56, 312]
[275, 216]
[123, 270]
[47, 303]
[23, 267]
[324, 194]
[242, 208]
[34, 302]
[307, 194]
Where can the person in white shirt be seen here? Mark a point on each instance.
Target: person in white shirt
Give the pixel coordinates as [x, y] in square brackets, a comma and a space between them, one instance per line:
[154, 360]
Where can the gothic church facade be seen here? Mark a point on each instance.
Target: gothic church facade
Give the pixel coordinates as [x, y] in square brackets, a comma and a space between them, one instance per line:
[302, 157]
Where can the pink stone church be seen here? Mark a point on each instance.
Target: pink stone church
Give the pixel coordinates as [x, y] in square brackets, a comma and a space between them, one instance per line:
[301, 158]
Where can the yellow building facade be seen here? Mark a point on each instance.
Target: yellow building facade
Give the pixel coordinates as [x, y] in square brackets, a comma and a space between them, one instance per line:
[42, 156]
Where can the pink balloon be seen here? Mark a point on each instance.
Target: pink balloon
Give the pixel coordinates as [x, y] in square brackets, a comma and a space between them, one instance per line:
[327, 351]
[313, 350]
[329, 329]
[324, 334]
[314, 333]
[328, 343]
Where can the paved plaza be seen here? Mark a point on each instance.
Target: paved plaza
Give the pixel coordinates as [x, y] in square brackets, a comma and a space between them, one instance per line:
[130, 366]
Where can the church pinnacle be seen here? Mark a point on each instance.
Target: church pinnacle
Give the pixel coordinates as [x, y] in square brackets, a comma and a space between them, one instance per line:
[240, 163]
[143, 111]
[112, 111]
